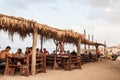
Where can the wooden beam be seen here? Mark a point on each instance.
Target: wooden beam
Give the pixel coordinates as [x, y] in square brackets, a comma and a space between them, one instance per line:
[33, 67]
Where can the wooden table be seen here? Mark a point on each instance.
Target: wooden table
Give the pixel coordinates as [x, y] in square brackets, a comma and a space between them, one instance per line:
[13, 63]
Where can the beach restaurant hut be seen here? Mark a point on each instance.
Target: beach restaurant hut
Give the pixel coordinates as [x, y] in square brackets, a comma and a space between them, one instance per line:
[26, 27]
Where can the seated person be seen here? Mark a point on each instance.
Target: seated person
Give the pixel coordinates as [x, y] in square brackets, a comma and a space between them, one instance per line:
[68, 52]
[37, 51]
[61, 48]
[85, 53]
[114, 56]
[19, 52]
[65, 52]
[54, 52]
[27, 51]
[30, 50]
[45, 51]
[73, 53]
[98, 53]
[41, 51]
[90, 56]
[5, 52]
[86, 56]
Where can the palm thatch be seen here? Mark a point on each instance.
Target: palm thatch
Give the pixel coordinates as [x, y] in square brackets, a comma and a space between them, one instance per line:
[26, 27]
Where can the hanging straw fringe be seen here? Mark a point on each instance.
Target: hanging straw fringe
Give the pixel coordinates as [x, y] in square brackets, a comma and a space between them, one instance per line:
[25, 27]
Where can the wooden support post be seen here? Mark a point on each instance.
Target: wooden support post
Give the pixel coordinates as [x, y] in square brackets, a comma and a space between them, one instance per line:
[41, 38]
[96, 46]
[56, 43]
[78, 46]
[88, 44]
[84, 40]
[33, 67]
[78, 51]
[92, 40]
[104, 47]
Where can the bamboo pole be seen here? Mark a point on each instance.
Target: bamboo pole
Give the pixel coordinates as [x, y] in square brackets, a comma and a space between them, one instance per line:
[33, 67]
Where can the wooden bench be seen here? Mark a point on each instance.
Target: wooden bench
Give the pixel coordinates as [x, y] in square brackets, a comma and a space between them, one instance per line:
[25, 68]
[40, 63]
[73, 62]
[11, 65]
[53, 60]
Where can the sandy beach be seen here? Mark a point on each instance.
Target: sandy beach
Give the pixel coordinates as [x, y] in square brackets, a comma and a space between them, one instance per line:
[101, 70]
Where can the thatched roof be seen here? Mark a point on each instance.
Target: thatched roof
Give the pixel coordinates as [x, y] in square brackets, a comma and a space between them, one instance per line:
[25, 27]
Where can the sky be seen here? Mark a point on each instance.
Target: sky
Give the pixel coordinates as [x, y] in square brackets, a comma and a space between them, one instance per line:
[99, 18]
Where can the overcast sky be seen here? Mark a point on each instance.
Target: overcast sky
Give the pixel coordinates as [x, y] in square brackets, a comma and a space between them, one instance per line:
[99, 17]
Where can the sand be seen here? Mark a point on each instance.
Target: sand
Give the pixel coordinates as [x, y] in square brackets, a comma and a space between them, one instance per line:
[101, 70]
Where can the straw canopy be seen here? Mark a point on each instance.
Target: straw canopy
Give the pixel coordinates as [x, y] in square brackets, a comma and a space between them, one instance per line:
[25, 27]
